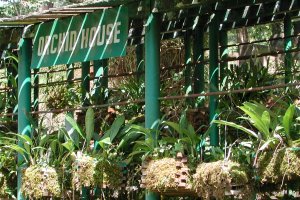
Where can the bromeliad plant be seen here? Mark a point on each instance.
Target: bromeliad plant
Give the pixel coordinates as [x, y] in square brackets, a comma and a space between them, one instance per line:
[277, 142]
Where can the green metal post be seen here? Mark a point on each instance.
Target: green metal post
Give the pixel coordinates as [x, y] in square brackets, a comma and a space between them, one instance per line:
[288, 46]
[98, 73]
[36, 90]
[24, 100]
[224, 53]
[15, 88]
[85, 82]
[85, 88]
[85, 193]
[152, 79]
[140, 62]
[70, 130]
[188, 59]
[70, 74]
[104, 80]
[198, 57]
[213, 78]
[100, 90]
[100, 95]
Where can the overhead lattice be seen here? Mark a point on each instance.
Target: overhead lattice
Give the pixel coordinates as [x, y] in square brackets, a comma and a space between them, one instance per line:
[178, 16]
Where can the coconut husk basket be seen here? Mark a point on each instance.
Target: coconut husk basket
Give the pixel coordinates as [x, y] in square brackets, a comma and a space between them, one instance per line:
[167, 176]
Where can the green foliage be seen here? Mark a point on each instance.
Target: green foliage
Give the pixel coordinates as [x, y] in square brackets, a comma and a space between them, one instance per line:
[131, 90]
[165, 141]
[254, 75]
[272, 128]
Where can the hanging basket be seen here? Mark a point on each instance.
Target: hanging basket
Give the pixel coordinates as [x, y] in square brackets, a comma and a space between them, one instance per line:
[220, 179]
[281, 165]
[40, 181]
[110, 175]
[83, 170]
[167, 176]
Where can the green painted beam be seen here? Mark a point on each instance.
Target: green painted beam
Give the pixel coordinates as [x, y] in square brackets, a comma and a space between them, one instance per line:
[98, 93]
[213, 77]
[36, 90]
[24, 100]
[140, 61]
[85, 83]
[98, 73]
[102, 75]
[224, 53]
[85, 89]
[70, 75]
[85, 193]
[188, 67]
[152, 78]
[288, 62]
[198, 57]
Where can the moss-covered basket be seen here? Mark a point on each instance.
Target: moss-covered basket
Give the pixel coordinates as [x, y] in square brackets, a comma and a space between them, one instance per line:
[279, 166]
[40, 181]
[92, 172]
[167, 176]
[83, 171]
[221, 178]
[109, 175]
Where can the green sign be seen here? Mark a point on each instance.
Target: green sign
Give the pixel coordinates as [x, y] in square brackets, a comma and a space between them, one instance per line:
[92, 36]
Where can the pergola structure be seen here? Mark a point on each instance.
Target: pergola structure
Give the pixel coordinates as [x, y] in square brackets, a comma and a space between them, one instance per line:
[151, 21]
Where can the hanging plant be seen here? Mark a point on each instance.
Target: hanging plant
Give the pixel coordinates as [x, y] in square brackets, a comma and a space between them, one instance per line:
[278, 166]
[167, 176]
[61, 97]
[165, 168]
[40, 181]
[83, 170]
[41, 154]
[95, 166]
[278, 140]
[108, 174]
[216, 179]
